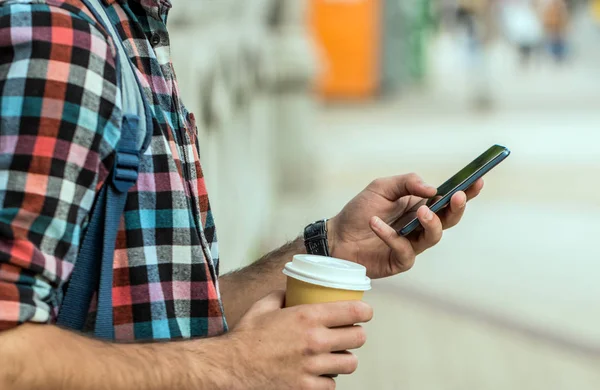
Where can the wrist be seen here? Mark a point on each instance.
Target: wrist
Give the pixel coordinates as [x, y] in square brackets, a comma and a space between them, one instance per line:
[235, 365]
[331, 237]
[211, 363]
[346, 250]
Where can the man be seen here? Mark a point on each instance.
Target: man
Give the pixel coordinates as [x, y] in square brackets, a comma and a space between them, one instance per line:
[60, 121]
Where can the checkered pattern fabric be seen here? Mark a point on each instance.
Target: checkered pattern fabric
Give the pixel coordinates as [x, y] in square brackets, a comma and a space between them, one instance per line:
[60, 113]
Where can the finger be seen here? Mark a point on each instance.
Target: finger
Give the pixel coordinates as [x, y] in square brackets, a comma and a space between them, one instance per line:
[452, 214]
[474, 189]
[432, 230]
[348, 337]
[271, 302]
[395, 187]
[343, 313]
[401, 246]
[334, 363]
[319, 383]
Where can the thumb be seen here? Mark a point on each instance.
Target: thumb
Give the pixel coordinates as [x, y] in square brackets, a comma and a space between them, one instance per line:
[272, 302]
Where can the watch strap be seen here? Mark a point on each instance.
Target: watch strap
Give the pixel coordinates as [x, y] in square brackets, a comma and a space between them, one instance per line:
[315, 238]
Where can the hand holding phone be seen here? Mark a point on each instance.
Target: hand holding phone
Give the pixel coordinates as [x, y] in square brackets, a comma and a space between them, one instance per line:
[459, 182]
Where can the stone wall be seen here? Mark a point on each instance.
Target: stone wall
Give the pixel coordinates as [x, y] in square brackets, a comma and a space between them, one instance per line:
[244, 68]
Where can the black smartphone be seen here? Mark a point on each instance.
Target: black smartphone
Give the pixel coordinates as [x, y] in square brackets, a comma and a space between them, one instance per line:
[461, 181]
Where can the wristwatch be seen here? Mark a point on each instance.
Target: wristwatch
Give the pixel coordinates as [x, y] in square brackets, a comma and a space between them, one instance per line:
[315, 238]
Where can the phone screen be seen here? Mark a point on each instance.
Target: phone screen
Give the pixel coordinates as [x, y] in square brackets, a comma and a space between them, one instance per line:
[451, 184]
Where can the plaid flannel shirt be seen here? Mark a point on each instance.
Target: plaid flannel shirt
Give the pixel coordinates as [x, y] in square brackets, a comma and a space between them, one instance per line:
[60, 113]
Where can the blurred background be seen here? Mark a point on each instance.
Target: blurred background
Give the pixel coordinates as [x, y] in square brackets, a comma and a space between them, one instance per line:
[301, 103]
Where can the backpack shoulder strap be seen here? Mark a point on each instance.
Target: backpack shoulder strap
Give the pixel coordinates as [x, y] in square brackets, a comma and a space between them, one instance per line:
[94, 266]
[134, 102]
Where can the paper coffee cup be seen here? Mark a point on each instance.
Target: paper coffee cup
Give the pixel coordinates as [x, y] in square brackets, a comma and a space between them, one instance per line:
[319, 279]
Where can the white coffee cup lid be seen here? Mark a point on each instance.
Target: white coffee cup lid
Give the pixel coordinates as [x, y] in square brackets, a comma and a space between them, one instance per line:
[328, 272]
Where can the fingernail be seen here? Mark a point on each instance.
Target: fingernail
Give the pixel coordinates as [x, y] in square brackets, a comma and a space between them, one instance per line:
[377, 222]
[463, 204]
[428, 216]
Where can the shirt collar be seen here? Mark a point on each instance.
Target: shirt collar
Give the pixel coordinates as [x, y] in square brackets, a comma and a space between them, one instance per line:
[154, 8]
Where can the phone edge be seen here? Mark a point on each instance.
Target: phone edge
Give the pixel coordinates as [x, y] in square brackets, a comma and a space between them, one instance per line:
[412, 225]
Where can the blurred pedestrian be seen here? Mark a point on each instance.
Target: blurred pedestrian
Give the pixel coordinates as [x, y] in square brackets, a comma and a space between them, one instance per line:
[477, 18]
[555, 17]
[522, 27]
[595, 11]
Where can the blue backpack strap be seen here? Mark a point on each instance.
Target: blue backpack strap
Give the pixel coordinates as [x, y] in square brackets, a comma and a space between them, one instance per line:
[94, 266]
[124, 175]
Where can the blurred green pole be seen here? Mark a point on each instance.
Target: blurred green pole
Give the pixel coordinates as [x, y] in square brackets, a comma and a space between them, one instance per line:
[421, 22]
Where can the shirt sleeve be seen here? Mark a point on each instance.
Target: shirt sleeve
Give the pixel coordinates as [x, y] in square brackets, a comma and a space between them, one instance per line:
[59, 124]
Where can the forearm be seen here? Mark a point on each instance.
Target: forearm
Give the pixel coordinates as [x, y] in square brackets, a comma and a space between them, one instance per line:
[45, 356]
[241, 288]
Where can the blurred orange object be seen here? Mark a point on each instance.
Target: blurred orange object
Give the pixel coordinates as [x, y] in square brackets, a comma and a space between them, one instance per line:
[348, 35]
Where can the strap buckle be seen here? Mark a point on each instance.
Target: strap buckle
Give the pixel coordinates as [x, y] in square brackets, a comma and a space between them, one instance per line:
[125, 172]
